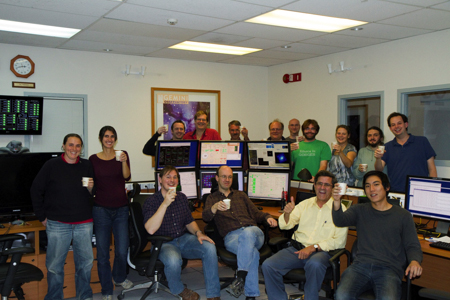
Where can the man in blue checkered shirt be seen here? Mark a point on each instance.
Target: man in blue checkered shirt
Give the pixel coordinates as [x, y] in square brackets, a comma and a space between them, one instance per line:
[167, 213]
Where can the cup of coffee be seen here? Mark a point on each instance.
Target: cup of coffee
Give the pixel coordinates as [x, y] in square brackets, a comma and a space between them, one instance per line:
[85, 181]
[227, 202]
[363, 167]
[343, 187]
[381, 148]
[173, 188]
[118, 154]
[166, 127]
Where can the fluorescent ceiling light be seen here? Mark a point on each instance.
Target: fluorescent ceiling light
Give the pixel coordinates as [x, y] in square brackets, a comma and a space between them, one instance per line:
[285, 18]
[213, 48]
[37, 29]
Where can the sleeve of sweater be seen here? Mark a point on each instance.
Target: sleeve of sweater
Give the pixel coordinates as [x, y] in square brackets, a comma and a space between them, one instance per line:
[37, 192]
[207, 214]
[150, 147]
[344, 219]
[410, 241]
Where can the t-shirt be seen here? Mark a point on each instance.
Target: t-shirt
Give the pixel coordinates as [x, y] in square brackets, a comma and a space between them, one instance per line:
[407, 159]
[309, 155]
[337, 167]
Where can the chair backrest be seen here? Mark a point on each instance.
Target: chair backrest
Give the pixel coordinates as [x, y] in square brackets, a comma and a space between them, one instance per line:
[137, 233]
[134, 192]
[303, 196]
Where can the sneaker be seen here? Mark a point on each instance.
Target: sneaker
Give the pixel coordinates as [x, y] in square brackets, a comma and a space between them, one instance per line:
[188, 294]
[236, 288]
[126, 285]
[106, 297]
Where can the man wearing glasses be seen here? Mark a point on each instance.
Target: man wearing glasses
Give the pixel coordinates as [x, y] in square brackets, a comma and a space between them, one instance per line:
[238, 225]
[315, 236]
[311, 154]
[202, 132]
[276, 128]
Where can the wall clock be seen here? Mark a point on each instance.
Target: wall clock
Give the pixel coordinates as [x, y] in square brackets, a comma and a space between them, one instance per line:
[22, 66]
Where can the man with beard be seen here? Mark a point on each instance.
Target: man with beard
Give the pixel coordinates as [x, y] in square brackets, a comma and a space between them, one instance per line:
[234, 128]
[178, 129]
[374, 138]
[312, 154]
[406, 154]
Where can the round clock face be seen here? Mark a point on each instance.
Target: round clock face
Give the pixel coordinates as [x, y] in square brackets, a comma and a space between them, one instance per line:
[22, 66]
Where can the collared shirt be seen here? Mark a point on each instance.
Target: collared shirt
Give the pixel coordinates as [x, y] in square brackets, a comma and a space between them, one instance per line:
[177, 216]
[208, 135]
[242, 212]
[315, 225]
[411, 158]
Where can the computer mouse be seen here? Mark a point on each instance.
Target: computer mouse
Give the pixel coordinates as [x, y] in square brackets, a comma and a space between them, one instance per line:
[259, 207]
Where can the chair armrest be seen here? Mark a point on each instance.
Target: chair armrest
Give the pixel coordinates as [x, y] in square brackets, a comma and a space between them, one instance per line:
[19, 250]
[157, 241]
[336, 255]
[10, 237]
[155, 238]
[278, 241]
[209, 229]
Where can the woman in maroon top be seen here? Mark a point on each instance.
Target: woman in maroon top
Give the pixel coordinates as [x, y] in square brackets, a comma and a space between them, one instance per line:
[111, 212]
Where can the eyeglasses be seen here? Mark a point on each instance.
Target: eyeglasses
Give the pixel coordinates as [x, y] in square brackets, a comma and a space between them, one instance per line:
[276, 129]
[226, 177]
[326, 185]
[201, 120]
[310, 129]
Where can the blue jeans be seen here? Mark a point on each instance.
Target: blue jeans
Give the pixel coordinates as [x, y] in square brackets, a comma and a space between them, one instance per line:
[106, 219]
[59, 236]
[187, 246]
[276, 266]
[359, 278]
[245, 243]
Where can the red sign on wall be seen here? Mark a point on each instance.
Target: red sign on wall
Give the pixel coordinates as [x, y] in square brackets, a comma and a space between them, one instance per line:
[292, 77]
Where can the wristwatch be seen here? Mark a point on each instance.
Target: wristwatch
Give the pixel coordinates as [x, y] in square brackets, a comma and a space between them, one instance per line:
[195, 233]
[316, 247]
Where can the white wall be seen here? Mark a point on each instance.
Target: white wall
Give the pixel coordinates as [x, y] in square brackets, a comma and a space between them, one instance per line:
[412, 62]
[124, 102]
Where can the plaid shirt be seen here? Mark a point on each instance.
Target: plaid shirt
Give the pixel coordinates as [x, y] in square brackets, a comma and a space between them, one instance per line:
[177, 214]
[242, 212]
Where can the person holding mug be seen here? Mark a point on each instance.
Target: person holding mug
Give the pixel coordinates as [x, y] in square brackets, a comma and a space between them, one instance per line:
[61, 203]
[110, 211]
[343, 156]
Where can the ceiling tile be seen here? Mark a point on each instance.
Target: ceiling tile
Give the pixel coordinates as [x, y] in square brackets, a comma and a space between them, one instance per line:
[281, 55]
[344, 41]
[444, 6]
[220, 38]
[423, 3]
[262, 43]
[255, 61]
[383, 31]
[314, 49]
[99, 47]
[30, 39]
[188, 55]
[425, 18]
[270, 3]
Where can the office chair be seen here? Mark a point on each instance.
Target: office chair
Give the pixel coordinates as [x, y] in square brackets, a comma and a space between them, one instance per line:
[370, 295]
[333, 272]
[230, 258]
[145, 262]
[14, 274]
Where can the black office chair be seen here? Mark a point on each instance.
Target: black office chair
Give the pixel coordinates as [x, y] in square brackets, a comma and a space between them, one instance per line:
[370, 295]
[145, 262]
[294, 276]
[14, 274]
[230, 258]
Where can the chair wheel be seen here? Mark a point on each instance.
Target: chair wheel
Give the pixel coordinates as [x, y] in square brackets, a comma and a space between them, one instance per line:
[120, 297]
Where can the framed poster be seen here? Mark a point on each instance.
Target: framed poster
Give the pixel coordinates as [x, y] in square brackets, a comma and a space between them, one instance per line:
[169, 105]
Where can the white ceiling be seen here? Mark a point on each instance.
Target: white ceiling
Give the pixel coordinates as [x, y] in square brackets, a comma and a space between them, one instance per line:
[139, 27]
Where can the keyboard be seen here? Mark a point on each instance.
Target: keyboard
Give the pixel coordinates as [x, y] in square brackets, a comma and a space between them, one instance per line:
[441, 245]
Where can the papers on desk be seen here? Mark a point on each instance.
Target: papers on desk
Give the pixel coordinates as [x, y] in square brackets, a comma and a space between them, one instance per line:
[445, 239]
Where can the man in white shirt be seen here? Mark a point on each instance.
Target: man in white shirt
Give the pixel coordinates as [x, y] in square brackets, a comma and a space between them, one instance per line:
[315, 236]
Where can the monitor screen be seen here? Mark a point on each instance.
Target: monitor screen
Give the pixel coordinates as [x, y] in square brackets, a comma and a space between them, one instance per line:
[269, 155]
[21, 115]
[16, 177]
[429, 197]
[267, 185]
[215, 154]
[187, 183]
[206, 176]
[180, 154]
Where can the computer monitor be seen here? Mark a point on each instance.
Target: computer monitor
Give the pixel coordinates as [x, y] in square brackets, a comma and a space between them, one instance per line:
[269, 155]
[180, 154]
[21, 115]
[218, 153]
[187, 183]
[207, 175]
[429, 197]
[267, 185]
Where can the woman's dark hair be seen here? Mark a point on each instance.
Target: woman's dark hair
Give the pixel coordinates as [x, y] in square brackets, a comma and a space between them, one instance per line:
[104, 129]
[383, 177]
[72, 135]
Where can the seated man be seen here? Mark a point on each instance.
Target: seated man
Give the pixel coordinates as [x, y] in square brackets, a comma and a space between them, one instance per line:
[167, 212]
[238, 224]
[178, 130]
[315, 236]
[387, 243]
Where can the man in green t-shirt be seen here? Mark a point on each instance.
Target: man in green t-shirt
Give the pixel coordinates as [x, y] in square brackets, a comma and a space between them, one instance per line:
[312, 154]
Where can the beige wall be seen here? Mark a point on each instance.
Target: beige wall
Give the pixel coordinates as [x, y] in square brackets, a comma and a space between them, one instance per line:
[408, 63]
[124, 102]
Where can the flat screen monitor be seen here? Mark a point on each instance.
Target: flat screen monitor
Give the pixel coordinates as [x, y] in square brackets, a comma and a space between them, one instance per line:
[17, 173]
[267, 185]
[269, 155]
[206, 184]
[187, 184]
[219, 153]
[21, 115]
[429, 197]
[180, 154]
